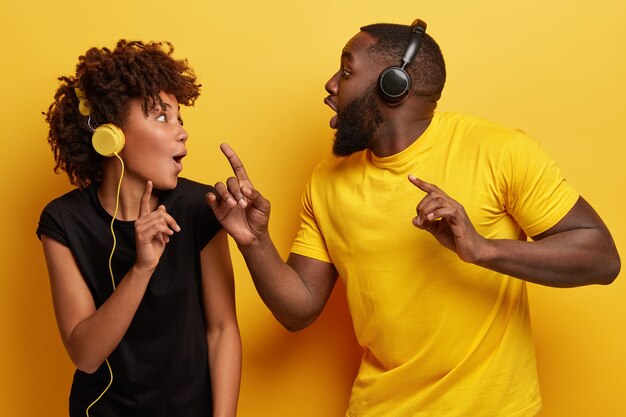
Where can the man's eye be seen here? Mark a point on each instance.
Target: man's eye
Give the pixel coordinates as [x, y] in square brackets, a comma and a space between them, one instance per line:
[161, 118]
[345, 73]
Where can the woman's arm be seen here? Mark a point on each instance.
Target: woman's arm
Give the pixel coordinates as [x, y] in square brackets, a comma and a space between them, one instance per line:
[90, 335]
[222, 330]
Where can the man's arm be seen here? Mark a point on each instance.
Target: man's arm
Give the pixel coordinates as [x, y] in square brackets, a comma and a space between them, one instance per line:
[297, 291]
[578, 250]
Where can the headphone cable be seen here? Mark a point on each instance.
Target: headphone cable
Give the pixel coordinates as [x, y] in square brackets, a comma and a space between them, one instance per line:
[117, 205]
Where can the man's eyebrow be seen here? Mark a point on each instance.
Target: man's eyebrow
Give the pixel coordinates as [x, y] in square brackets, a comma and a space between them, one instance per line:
[348, 55]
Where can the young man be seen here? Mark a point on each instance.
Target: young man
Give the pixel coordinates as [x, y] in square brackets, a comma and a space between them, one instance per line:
[442, 316]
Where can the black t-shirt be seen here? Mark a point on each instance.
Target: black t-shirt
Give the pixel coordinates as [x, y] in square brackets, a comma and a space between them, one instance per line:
[160, 368]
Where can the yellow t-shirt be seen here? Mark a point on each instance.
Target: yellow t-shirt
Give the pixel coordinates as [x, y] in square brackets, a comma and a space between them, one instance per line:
[441, 337]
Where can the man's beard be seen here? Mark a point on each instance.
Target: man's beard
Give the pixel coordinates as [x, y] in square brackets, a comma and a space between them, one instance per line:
[356, 124]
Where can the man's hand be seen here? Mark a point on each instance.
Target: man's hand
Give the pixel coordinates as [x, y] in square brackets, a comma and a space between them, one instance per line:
[447, 221]
[243, 211]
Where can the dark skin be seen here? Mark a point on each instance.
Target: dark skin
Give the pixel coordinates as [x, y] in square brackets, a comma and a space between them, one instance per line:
[578, 250]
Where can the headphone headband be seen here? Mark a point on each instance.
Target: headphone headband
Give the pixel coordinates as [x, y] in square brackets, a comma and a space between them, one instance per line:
[418, 28]
[394, 82]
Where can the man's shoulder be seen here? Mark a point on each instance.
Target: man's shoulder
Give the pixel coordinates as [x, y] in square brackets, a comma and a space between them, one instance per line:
[472, 121]
[335, 165]
[470, 128]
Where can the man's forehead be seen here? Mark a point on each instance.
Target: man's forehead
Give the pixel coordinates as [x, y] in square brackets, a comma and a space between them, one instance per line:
[359, 43]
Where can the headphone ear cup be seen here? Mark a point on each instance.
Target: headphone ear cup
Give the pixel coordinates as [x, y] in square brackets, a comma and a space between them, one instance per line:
[108, 139]
[394, 84]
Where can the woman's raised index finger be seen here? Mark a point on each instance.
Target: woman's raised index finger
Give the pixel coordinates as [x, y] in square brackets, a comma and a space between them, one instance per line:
[144, 205]
[234, 161]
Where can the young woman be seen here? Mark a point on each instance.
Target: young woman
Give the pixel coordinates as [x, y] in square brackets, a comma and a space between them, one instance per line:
[140, 271]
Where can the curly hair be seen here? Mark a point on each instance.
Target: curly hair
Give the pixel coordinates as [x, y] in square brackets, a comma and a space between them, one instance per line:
[110, 79]
[428, 70]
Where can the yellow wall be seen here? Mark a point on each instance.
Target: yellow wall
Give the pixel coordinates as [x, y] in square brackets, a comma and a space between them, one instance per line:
[554, 69]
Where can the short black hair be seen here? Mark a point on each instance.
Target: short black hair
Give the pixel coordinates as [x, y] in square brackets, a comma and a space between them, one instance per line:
[109, 80]
[428, 69]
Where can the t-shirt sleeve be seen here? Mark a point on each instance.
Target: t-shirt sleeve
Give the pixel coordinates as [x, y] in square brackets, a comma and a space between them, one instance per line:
[538, 196]
[309, 240]
[51, 224]
[206, 224]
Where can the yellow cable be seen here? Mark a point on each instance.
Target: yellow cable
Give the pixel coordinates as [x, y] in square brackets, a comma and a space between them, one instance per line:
[105, 390]
[117, 204]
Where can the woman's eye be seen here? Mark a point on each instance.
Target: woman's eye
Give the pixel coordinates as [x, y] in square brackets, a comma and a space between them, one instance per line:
[161, 118]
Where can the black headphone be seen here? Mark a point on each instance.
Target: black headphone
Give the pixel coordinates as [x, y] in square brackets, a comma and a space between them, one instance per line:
[394, 82]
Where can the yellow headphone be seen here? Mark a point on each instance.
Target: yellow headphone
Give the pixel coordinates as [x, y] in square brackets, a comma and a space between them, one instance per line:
[107, 139]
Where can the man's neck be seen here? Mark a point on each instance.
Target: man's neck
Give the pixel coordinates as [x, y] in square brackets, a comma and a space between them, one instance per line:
[394, 138]
[402, 126]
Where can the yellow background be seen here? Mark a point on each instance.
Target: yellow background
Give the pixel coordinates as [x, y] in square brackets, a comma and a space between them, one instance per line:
[551, 68]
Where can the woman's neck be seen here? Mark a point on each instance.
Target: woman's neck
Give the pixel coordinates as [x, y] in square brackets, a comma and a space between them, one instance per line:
[130, 194]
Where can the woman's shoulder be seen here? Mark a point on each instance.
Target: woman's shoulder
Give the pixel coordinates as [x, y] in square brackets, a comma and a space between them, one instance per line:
[76, 198]
[188, 186]
[74, 207]
[188, 197]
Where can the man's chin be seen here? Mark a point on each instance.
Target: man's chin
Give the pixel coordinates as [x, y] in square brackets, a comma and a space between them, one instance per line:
[343, 149]
[341, 153]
